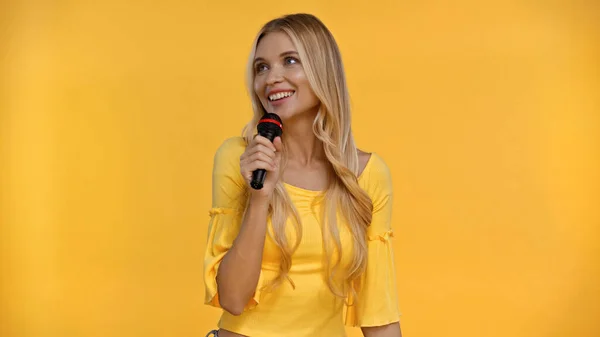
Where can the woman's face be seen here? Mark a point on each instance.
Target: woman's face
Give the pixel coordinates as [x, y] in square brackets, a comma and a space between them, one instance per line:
[280, 81]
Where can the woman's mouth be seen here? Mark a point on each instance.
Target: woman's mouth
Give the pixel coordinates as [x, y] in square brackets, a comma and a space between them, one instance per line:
[280, 97]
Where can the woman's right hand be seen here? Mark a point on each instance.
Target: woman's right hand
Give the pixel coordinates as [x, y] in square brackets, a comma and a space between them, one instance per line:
[262, 154]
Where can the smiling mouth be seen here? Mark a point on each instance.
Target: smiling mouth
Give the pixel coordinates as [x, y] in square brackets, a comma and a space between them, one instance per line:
[280, 95]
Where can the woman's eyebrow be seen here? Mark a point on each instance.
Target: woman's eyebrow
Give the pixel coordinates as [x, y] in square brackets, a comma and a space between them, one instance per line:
[285, 53]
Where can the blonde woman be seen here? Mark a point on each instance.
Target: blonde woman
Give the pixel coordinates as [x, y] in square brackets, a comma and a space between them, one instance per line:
[311, 251]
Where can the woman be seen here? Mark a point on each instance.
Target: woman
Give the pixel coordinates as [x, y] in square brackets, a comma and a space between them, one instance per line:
[310, 252]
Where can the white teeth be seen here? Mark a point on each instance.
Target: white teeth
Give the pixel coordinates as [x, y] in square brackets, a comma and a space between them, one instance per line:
[280, 95]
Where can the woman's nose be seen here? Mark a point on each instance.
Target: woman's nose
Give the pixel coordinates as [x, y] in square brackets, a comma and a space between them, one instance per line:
[275, 75]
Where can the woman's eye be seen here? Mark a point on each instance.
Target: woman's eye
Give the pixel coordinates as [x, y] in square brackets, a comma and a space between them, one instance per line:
[291, 60]
[261, 67]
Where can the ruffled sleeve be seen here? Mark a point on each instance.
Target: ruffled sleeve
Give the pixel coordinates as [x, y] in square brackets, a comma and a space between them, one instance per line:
[377, 302]
[228, 203]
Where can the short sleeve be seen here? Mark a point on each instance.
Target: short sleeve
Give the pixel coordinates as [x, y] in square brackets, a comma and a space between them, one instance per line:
[226, 212]
[377, 302]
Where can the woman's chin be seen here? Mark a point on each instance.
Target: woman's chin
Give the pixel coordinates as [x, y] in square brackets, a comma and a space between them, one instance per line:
[283, 112]
[290, 112]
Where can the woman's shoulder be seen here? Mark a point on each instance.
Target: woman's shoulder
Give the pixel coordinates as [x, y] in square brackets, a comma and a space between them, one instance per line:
[374, 172]
[371, 163]
[230, 150]
[232, 146]
[227, 155]
[228, 183]
[363, 160]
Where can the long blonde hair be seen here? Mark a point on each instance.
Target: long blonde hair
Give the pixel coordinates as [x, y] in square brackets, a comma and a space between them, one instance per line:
[322, 62]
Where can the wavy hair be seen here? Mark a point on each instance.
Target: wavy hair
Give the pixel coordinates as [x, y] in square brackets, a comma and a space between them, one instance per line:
[322, 63]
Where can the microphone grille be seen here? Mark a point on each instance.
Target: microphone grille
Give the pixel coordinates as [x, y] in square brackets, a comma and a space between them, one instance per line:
[271, 118]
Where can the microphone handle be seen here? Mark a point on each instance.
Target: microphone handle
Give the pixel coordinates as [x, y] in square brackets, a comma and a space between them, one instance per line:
[258, 178]
[259, 175]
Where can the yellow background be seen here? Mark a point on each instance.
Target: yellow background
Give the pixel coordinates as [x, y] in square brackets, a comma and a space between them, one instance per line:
[488, 114]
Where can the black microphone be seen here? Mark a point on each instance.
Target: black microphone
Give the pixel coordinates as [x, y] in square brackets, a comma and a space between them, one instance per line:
[269, 126]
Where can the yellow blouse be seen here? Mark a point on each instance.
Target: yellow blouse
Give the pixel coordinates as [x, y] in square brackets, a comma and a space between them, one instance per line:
[309, 308]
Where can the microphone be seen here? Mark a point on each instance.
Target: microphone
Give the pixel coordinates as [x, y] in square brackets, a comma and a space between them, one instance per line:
[269, 126]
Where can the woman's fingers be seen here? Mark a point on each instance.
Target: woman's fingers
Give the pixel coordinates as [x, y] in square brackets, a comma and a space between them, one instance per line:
[259, 164]
[277, 144]
[262, 154]
[264, 141]
[263, 150]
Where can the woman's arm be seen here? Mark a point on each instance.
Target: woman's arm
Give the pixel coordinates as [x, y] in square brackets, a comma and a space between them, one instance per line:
[239, 271]
[390, 330]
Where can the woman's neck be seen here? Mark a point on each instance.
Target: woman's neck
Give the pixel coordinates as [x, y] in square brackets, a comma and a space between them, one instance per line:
[301, 144]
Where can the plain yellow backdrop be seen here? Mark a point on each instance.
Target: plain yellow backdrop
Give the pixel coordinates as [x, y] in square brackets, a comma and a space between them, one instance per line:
[488, 114]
